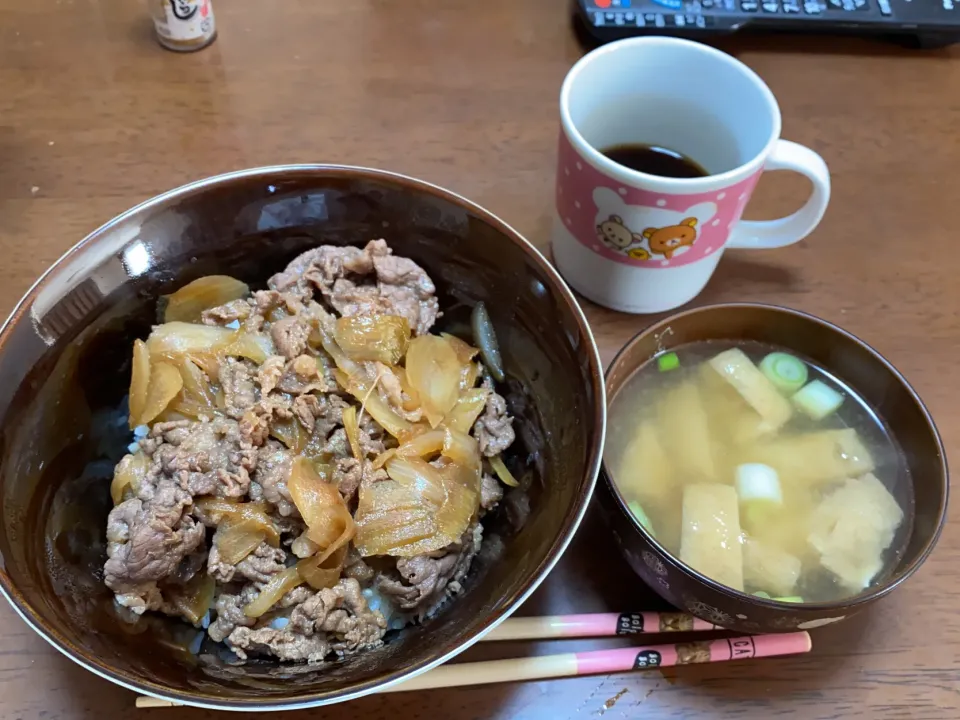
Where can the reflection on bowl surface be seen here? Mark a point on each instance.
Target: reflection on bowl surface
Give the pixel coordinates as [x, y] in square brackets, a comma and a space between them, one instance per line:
[756, 454]
[65, 367]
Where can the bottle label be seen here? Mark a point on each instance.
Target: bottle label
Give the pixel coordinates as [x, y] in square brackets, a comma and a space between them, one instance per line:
[185, 20]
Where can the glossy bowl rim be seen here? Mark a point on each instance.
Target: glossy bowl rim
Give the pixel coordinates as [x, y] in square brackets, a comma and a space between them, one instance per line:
[856, 601]
[559, 546]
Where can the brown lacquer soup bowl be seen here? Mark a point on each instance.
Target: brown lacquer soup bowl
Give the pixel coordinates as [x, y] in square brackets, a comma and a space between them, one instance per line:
[852, 362]
[65, 368]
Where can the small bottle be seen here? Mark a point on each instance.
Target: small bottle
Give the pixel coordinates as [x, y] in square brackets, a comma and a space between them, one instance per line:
[183, 25]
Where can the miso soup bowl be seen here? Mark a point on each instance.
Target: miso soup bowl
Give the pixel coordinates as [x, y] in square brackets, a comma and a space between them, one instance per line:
[65, 367]
[853, 362]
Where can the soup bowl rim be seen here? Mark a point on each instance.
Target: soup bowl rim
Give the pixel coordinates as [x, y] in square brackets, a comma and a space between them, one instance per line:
[869, 594]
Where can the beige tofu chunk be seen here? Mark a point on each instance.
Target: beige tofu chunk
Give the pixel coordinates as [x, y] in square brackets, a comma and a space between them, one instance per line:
[730, 415]
[770, 569]
[683, 429]
[813, 458]
[644, 472]
[738, 370]
[852, 527]
[710, 539]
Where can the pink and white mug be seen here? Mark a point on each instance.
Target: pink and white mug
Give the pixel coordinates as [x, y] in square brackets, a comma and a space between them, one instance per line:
[643, 243]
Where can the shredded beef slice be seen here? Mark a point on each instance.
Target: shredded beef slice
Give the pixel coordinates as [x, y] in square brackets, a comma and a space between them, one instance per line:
[206, 457]
[423, 582]
[341, 612]
[290, 335]
[491, 492]
[270, 480]
[333, 620]
[258, 567]
[239, 389]
[401, 286]
[146, 541]
[283, 644]
[229, 610]
[494, 428]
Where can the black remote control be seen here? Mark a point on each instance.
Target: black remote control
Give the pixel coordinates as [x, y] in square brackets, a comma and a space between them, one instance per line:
[927, 23]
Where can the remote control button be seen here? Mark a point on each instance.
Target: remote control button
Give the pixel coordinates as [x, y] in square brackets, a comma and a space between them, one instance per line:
[619, 19]
[672, 4]
[811, 8]
[610, 17]
[885, 8]
[730, 5]
[701, 21]
[948, 4]
[598, 19]
[650, 18]
[790, 8]
[691, 19]
[629, 17]
[679, 21]
[748, 5]
[860, 4]
[770, 7]
[707, 4]
[659, 21]
[694, 7]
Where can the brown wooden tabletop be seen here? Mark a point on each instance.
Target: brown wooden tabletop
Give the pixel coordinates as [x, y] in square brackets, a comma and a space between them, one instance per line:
[95, 117]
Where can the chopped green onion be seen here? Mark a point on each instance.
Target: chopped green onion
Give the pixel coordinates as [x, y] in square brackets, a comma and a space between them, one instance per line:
[756, 481]
[669, 361]
[762, 594]
[787, 373]
[758, 487]
[817, 400]
[641, 516]
[790, 599]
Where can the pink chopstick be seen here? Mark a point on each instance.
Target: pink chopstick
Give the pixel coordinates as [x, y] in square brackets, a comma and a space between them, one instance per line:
[591, 662]
[608, 661]
[596, 625]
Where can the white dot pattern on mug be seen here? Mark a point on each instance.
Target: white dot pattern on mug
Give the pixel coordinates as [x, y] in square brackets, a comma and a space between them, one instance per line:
[579, 166]
[661, 202]
[715, 223]
[721, 196]
[622, 191]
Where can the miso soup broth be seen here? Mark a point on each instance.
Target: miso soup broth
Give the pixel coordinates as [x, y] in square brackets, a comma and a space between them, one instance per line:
[761, 471]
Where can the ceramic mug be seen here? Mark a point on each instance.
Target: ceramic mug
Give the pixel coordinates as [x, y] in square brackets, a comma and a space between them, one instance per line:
[644, 243]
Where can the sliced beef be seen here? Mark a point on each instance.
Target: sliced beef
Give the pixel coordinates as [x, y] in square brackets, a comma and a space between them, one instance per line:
[282, 644]
[258, 567]
[237, 378]
[349, 473]
[269, 373]
[342, 274]
[233, 311]
[205, 457]
[147, 539]
[494, 428]
[301, 375]
[421, 583]
[270, 480]
[322, 265]
[290, 335]
[491, 492]
[229, 613]
[342, 613]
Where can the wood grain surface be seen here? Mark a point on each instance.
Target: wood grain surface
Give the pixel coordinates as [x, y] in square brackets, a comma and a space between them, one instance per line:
[95, 117]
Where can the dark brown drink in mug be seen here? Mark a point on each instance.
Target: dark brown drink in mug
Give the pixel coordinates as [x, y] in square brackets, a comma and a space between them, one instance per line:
[655, 160]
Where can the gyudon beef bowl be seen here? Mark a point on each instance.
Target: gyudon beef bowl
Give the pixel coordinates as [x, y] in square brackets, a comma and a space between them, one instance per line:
[286, 436]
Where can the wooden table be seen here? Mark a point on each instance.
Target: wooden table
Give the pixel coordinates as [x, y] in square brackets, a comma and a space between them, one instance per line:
[95, 117]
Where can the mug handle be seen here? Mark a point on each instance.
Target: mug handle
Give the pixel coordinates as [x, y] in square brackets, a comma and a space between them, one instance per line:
[756, 234]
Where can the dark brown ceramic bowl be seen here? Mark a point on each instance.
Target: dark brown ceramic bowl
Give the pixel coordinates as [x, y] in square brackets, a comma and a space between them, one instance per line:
[65, 366]
[852, 361]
